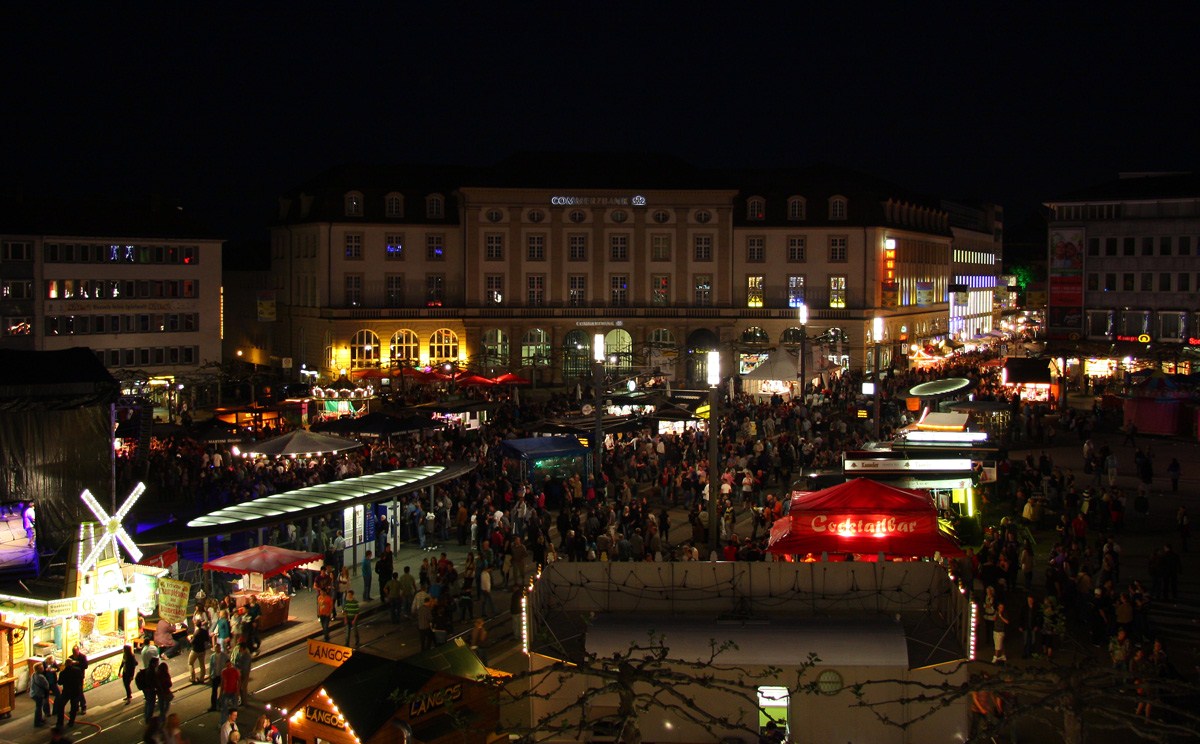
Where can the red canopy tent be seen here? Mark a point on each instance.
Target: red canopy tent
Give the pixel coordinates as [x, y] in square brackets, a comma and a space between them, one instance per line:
[509, 378]
[267, 560]
[864, 517]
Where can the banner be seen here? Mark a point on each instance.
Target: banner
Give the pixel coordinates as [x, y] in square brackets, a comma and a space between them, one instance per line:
[890, 295]
[266, 305]
[850, 525]
[1065, 298]
[173, 599]
[145, 592]
[924, 293]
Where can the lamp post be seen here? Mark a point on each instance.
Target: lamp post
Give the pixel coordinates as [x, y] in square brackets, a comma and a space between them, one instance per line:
[714, 447]
[598, 389]
[877, 337]
[803, 348]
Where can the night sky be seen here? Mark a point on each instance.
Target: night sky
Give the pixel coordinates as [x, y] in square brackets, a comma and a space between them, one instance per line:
[226, 106]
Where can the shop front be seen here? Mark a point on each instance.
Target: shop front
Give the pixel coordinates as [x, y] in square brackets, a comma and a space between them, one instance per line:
[257, 566]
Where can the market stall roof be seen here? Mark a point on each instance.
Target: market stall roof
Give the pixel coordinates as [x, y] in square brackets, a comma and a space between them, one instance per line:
[1021, 370]
[268, 560]
[862, 516]
[585, 426]
[839, 642]
[454, 406]
[539, 447]
[379, 424]
[310, 501]
[779, 365]
[299, 443]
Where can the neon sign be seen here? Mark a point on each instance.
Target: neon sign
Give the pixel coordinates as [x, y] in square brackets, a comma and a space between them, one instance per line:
[857, 525]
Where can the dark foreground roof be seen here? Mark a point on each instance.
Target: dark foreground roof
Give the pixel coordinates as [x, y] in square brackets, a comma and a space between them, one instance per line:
[151, 217]
[1137, 186]
[54, 380]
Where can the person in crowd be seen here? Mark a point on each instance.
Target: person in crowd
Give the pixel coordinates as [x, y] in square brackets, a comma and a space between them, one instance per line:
[39, 693]
[350, 613]
[127, 670]
[324, 612]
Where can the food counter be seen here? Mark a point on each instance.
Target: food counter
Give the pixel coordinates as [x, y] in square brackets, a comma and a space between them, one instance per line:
[274, 605]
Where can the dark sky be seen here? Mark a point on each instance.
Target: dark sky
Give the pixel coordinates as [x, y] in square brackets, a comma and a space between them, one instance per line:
[226, 106]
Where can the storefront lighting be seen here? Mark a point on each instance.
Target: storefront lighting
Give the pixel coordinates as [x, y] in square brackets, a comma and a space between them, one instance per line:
[598, 347]
[525, 624]
[974, 622]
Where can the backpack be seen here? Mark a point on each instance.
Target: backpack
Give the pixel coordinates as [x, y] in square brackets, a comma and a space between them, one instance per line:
[142, 679]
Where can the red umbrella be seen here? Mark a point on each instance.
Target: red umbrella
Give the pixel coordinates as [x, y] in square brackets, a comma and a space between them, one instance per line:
[473, 379]
[508, 378]
[267, 560]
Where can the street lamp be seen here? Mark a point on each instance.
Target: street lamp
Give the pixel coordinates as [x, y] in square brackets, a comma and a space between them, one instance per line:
[803, 348]
[877, 337]
[714, 448]
[598, 389]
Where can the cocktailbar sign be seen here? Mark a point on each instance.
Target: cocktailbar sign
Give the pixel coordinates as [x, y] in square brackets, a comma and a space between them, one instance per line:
[865, 524]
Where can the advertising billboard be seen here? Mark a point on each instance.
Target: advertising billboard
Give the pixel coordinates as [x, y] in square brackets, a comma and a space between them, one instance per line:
[1065, 272]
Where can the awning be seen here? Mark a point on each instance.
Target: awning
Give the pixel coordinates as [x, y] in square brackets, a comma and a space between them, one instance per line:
[543, 447]
[268, 560]
[310, 501]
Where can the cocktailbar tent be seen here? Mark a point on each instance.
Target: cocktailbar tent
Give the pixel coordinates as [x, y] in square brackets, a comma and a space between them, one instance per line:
[865, 518]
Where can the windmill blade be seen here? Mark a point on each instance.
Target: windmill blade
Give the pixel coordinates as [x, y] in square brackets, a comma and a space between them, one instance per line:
[90, 501]
[97, 551]
[130, 500]
[130, 546]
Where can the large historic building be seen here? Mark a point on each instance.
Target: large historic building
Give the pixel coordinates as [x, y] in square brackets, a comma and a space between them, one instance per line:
[138, 283]
[517, 266]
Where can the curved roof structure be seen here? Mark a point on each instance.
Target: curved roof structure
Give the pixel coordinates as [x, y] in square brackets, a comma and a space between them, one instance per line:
[310, 501]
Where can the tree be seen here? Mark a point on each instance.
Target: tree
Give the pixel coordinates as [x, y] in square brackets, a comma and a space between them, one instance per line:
[1077, 699]
[643, 678]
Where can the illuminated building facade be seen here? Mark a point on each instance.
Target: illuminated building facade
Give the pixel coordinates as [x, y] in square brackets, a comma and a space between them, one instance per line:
[139, 284]
[517, 266]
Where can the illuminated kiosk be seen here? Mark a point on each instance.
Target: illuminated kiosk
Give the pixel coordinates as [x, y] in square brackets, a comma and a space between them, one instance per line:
[257, 565]
[97, 607]
[438, 701]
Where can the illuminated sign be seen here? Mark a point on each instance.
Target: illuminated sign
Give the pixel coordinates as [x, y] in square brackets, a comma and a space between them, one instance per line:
[323, 717]
[598, 201]
[899, 466]
[1141, 338]
[1193, 341]
[956, 437]
[328, 653]
[433, 700]
[865, 525]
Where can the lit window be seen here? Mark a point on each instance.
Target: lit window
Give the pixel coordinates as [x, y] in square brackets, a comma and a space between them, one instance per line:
[702, 293]
[577, 290]
[660, 289]
[795, 290]
[754, 291]
[756, 208]
[353, 244]
[354, 204]
[618, 290]
[393, 249]
[435, 247]
[493, 289]
[837, 291]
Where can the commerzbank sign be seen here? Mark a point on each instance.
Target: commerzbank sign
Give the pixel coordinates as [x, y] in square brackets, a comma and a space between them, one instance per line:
[598, 201]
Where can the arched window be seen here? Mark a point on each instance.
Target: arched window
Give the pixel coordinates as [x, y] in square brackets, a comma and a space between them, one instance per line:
[364, 349]
[405, 349]
[435, 207]
[797, 208]
[662, 351]
[837, 208]
[535, 348]
[393, 205]
[576, 354]
[791, 337]
[443, 347]
[354, 204]
[756, 208]
[495, 348]
[618, 351]
[755, 335]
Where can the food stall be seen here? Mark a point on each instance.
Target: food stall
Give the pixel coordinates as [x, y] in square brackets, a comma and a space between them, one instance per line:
[8, 691]
[259, 564]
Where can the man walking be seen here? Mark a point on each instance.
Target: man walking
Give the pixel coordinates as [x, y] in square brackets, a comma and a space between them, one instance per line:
[408, 589]
[147, 681]
[395, 597]
[325, 612]
[70, 683]
[350, 610]
[162, 677]
[216, 664]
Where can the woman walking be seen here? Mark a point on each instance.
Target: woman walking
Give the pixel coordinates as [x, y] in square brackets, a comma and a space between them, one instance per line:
[128, 668]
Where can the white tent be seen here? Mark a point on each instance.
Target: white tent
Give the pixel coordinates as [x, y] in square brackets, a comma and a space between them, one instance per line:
[780, 365]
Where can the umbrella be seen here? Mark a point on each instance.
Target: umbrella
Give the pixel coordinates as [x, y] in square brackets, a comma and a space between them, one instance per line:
[267, 560]
[508, 378]
[370, 373]
[473, 379]
[300, 442]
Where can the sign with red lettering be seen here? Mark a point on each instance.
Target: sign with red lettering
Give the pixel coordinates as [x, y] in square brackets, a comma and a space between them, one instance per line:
[857, 525]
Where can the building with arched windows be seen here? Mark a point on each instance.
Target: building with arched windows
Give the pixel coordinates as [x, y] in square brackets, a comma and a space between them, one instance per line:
[518, 266]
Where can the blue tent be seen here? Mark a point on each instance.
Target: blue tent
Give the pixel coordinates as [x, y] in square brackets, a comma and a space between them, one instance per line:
[542, 447]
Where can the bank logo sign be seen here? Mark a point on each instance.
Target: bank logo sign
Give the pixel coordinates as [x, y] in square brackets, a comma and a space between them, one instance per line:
[598, 201]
